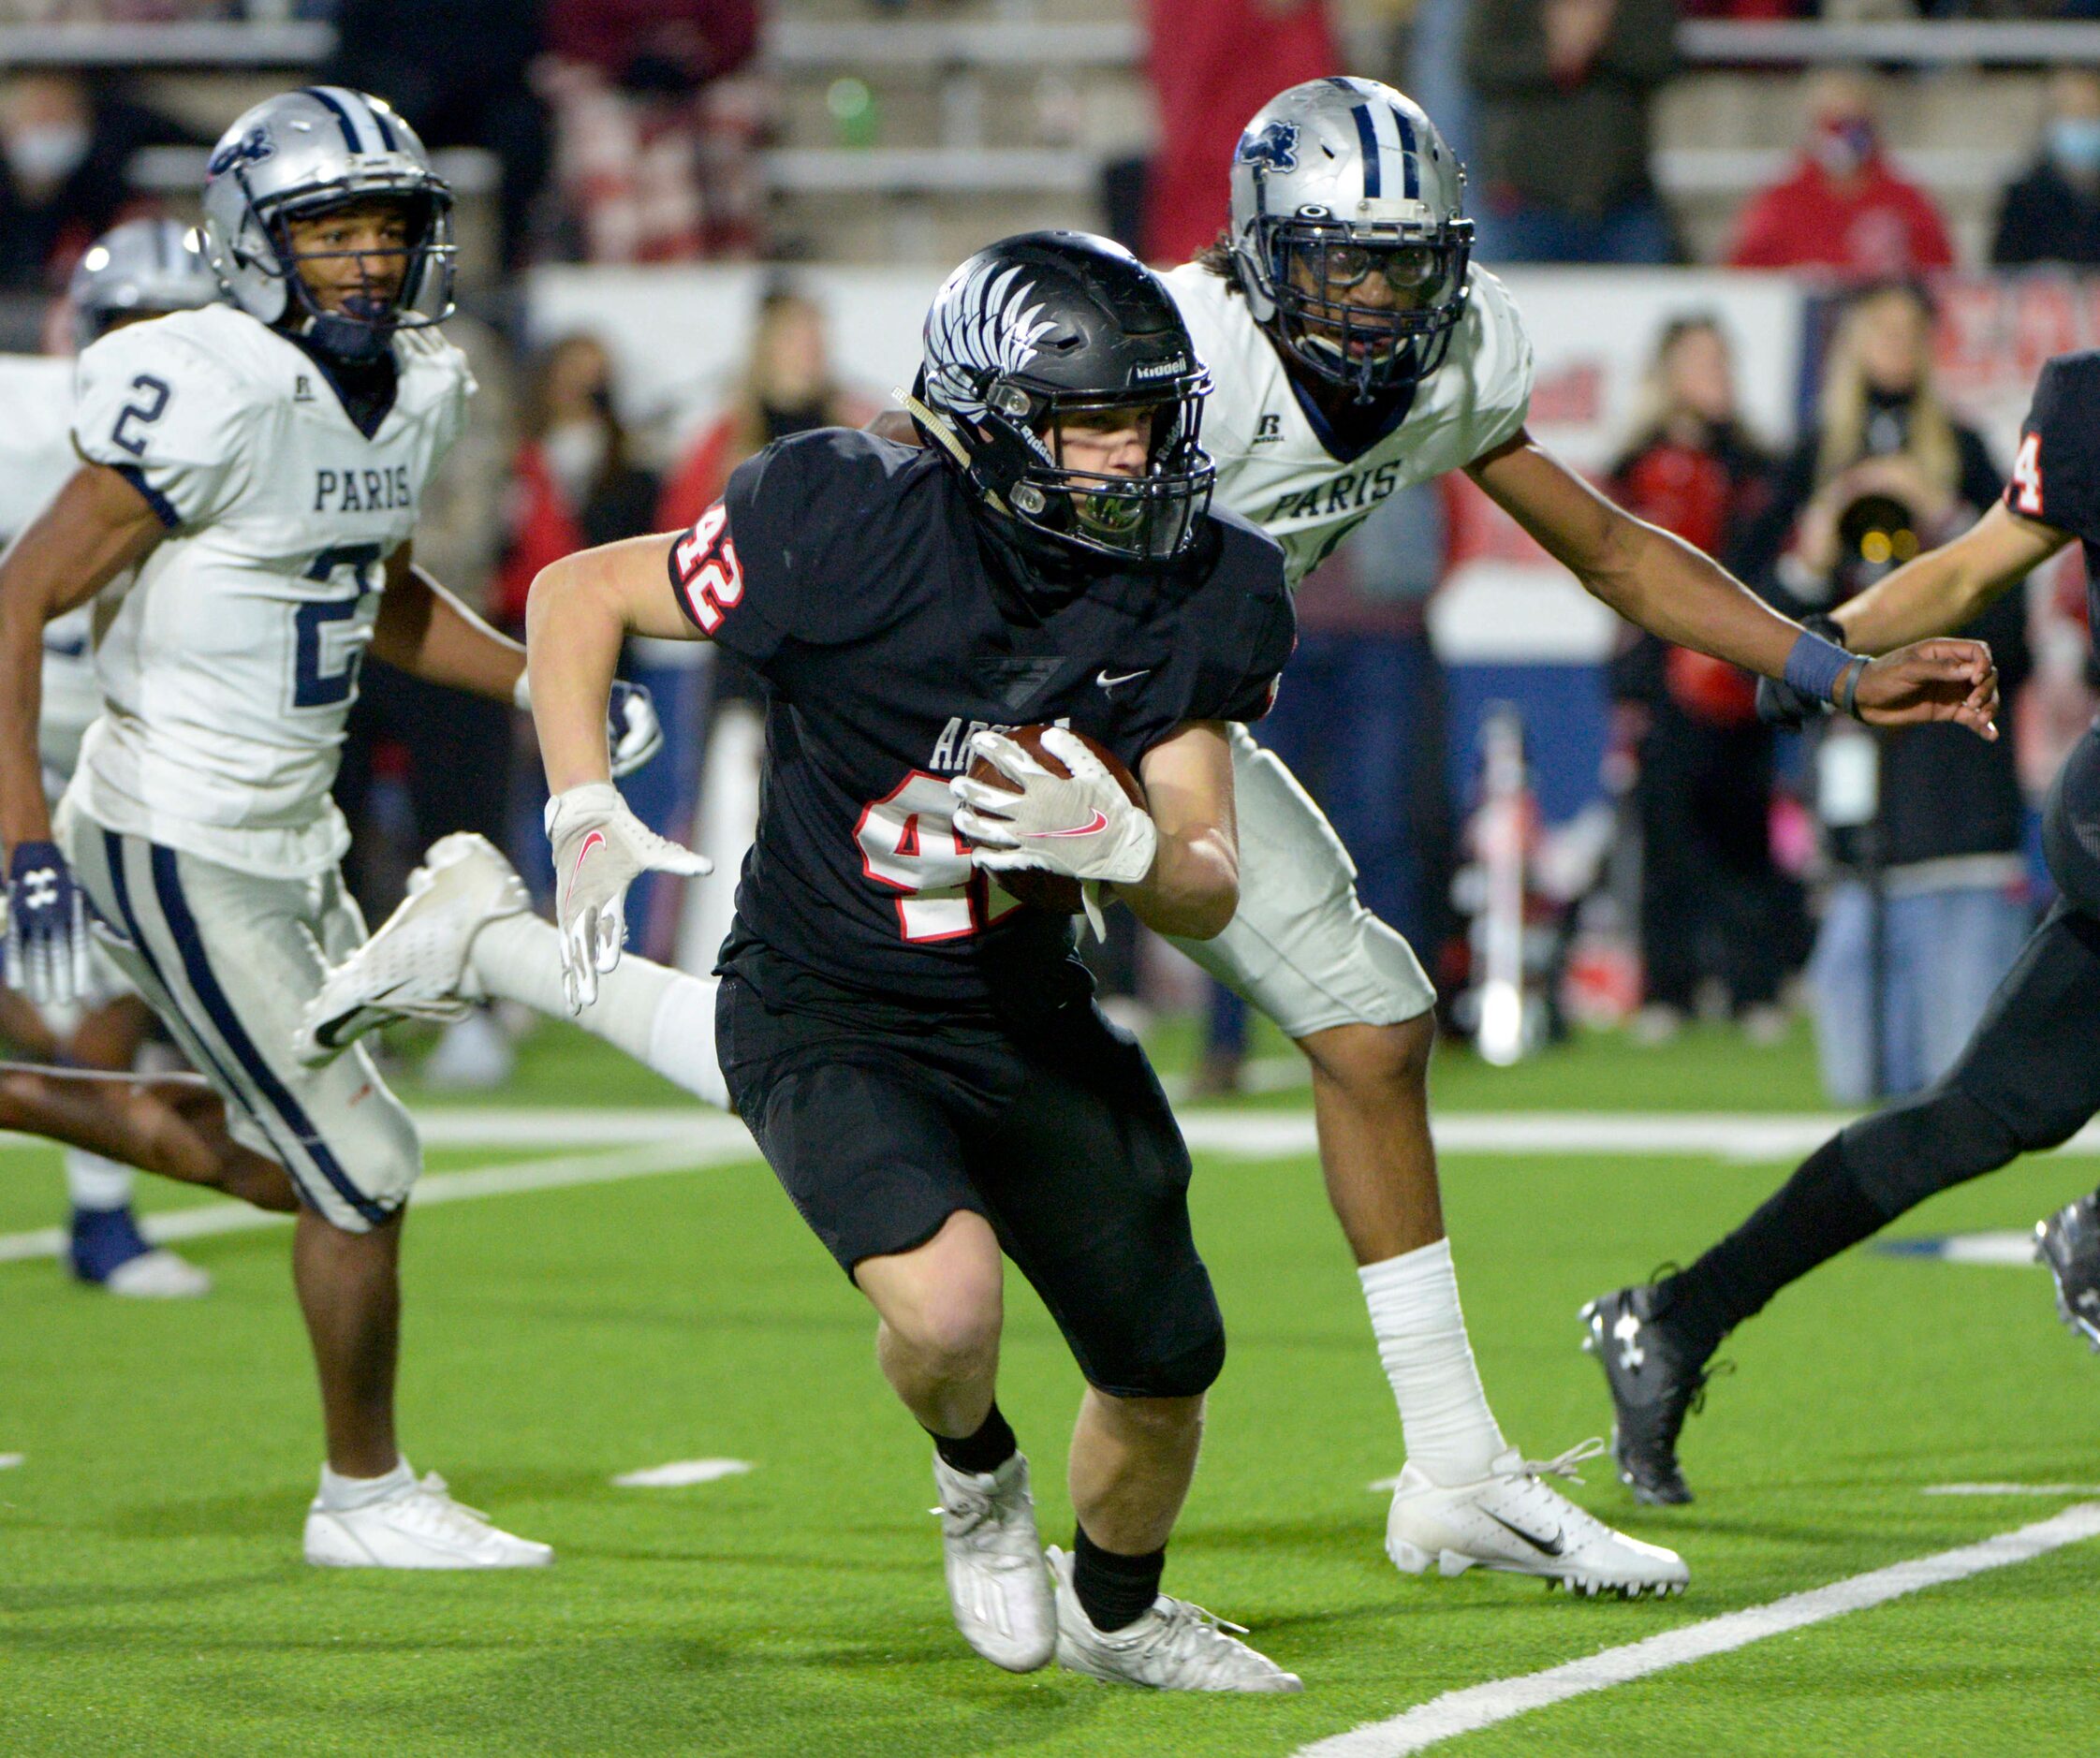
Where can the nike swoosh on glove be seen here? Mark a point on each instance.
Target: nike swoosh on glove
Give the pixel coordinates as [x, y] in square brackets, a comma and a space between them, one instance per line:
[600, 849]
[1083, 827]
[47, 948]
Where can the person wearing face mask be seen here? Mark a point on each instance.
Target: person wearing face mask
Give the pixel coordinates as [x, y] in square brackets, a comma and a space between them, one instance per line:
[787, 387]
[1843, 206]
[2052, 212]
[63, 158]
[575, 483]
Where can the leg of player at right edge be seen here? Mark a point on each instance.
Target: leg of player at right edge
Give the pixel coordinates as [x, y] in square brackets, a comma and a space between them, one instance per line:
[1352, 996]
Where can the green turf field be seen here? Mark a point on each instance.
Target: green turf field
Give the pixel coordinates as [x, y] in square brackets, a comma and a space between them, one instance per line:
[152, 1597]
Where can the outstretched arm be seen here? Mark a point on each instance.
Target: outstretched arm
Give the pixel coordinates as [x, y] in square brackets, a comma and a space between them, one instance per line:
[1949, 588]
[1666, 586]
[426, 632]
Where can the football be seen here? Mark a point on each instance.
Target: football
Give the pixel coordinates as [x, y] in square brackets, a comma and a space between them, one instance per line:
[1050, 890]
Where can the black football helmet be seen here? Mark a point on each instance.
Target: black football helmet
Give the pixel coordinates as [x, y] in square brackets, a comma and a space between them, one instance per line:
[1042, 327]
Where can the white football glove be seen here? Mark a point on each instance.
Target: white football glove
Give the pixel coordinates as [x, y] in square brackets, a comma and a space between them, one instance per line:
[1084, 827]
[600, 849]
[633, 733]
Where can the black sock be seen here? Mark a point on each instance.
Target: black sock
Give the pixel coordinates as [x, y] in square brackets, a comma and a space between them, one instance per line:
[1814, 1216]
[988, 1449]
[1113, 1590]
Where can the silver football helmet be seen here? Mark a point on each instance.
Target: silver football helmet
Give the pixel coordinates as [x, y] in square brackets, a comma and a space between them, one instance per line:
[1337, 185]
[141, 268]
[298, 155]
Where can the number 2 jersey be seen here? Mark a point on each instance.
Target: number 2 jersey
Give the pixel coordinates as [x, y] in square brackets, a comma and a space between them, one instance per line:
[849, 572]
[229, 667]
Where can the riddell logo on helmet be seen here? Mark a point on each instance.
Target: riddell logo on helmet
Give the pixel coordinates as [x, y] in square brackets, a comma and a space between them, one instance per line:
[251, 146]
[1162, 369]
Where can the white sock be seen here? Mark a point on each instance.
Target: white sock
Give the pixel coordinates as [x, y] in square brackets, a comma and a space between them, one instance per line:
[1413, 1300]
[340, 1494]
[662, 1018]
[93, 1182]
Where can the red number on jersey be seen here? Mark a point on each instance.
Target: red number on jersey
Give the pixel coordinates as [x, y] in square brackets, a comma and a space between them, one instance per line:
[709, 576]
[2027, 476]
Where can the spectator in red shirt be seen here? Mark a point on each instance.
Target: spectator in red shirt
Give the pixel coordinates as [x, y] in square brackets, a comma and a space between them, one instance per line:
[1843, 208]
[1212, 64]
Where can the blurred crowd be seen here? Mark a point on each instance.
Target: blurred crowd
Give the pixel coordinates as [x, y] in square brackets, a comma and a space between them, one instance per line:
[628, 131]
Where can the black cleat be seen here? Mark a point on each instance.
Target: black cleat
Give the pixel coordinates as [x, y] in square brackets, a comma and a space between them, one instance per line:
[1656, 1384]
[2069, 1243]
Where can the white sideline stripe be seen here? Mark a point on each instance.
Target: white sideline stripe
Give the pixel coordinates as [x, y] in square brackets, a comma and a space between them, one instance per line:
[440, 1187]
[680, 1472]
[1744, 1136]
[1478, 1706]
[2011, 1490]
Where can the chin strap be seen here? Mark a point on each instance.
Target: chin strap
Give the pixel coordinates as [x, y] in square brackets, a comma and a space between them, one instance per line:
[939, 430]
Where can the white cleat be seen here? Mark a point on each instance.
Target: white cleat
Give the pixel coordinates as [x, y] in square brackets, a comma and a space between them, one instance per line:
[997, 1586]
[1174, 1646]
[419, 1527]
[158, 1275]
[415, 966]
[1511, 1519]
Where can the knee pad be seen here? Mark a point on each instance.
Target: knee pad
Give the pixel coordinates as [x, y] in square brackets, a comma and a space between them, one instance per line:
[1178, 1355]
[2071, 826]
[1924, 1145]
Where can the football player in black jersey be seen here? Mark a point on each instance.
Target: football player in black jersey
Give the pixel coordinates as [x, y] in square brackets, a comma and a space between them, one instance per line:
[917, 1053]
[2029, 1077]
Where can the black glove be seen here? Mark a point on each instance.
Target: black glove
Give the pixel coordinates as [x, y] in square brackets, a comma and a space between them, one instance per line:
[1779, 703]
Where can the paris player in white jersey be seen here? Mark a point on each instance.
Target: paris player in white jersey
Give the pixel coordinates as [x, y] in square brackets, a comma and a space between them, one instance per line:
[260, 464]
[1354, 349]
[140, 269]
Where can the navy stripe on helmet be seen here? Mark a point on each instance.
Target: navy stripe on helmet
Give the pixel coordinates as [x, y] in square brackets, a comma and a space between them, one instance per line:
[351, 138]
[174, 909]
[1367, 136]
[1409, 154]
[379, 122]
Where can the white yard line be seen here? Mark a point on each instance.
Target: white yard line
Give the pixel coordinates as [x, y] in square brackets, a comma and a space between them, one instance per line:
[680, 1473]
[439, 1187]
[1469, 1710]
[2013, 1247]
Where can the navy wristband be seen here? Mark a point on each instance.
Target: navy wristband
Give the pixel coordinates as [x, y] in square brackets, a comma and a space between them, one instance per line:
[1815, 667]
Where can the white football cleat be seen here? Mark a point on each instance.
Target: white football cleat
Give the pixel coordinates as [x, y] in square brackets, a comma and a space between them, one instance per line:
[1174, 1646]
[997, 1585]
[158, 1275]
[417, 1526]
[415, 966]
[1511, 1519]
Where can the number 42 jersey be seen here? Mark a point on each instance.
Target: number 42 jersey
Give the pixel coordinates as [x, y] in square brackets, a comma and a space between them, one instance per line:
[849, 573]
[227, 669]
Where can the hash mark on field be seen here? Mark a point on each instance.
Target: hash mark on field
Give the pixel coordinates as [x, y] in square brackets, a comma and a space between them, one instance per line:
[1478, 1706]
[680, 1472]
[10, 1461]
[2011, 1490]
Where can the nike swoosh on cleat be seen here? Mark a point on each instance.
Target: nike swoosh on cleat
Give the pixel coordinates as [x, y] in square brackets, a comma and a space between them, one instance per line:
[1100, 824]
[1546, 1546]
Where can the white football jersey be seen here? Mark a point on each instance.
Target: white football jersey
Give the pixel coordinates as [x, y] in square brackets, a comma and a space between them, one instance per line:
[35, 458]
[1276, 466]
[228, 669]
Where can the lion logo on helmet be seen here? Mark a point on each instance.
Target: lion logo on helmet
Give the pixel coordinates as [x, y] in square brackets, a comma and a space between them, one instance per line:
[1275, 147]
